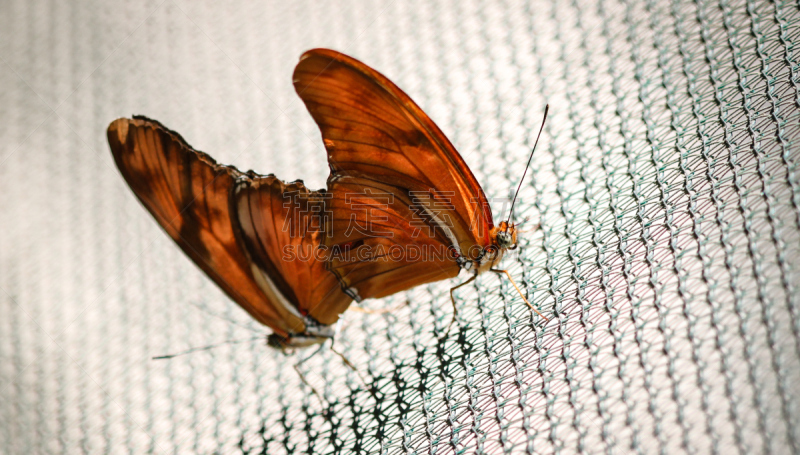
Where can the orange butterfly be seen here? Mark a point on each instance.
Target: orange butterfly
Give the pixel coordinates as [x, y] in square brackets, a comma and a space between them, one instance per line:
[295, 258]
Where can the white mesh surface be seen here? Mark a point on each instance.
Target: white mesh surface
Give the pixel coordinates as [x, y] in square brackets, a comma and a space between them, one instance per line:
[666, 185]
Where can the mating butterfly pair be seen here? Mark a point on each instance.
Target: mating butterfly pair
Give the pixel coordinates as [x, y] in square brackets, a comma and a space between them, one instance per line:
[384, 154]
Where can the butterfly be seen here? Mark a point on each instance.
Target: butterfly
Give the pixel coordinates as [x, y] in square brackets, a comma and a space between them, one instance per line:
[295, 258]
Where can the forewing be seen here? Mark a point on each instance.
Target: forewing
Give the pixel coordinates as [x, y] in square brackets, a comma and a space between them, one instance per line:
[189, 194]
[373, 130]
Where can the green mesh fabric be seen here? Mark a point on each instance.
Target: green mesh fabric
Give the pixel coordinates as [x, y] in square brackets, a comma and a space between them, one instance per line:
[666, 186]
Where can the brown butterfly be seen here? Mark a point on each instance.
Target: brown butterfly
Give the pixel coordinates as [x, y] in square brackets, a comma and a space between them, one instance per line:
[295, 258]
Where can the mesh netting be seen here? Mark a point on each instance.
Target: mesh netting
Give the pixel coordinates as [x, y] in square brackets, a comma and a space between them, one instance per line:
[666, 186]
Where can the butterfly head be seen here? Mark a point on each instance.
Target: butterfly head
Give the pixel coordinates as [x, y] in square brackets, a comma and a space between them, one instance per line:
[504, 236]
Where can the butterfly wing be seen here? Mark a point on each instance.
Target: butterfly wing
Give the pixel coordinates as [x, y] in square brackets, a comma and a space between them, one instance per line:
[381, 242]
[373, 130]
[192, 198]
[282, 226]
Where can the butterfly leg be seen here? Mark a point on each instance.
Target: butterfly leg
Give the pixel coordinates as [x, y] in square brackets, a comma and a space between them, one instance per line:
[453, 300]
[303, 377]
[498, 271]
[305, 381]
[342, 356]
[350, 365]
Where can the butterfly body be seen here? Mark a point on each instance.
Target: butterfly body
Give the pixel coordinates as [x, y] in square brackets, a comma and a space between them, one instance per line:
[294, 258]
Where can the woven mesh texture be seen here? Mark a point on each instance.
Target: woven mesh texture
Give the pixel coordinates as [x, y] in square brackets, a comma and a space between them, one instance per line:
[666, 185]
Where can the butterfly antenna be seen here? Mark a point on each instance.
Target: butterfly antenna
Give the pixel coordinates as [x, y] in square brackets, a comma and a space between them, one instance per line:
[224, 318]
[206, 348]
[511, 213]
